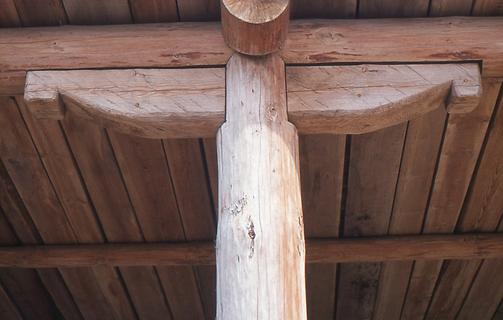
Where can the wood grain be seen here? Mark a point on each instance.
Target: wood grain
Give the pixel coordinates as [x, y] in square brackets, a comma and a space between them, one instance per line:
[309, 42]
[440, 8]
[98, 12]
[41, 12]
[60, 165]
[420, 154]
[322, 167]
[148, 103]
[460, 149]
[326, 9]
[202, 253]
[149, 11]
[366, 98]
[372, 177]
[255, 27]
[260, 240]
[488, 7]
[8, 16]
[23, 164]
[481, 212]
[97, 163]
[148, 180]
[392, 8]
[181, 103]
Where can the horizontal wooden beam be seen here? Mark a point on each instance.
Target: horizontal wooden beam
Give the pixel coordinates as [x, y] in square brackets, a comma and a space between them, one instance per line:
[187, 103]
[396, 248]
[201, 44]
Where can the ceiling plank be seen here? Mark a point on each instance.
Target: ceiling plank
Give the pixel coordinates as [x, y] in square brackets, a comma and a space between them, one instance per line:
[440, 8]
[8, 15]
[372, 177]
[392, 8]
[98, 11]
[148, 180]
[324, 9]
[422, 145]
[322, 170]
[460, 149]
[23, 163]
[104, 181]
[149, 11]
[41, 12]
[199, 10]
[59, 163]
[488, 8]
[482, 212]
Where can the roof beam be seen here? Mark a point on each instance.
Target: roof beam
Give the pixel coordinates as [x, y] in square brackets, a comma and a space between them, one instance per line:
[182, 103]
[377, 249]
[308, 42]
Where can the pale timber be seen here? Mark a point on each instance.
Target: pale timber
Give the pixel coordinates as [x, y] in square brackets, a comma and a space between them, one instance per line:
[255, 27]
[308, 42]
[362, 249]
[260, 249]
[182, 103]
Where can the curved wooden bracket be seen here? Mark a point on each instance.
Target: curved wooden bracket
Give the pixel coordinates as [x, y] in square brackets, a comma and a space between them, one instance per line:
[187, 103]
[365, 98]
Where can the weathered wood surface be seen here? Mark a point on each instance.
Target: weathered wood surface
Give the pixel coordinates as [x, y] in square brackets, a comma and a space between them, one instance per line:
[255, 27]
[366, 98]
[260, 240]
[328, 250]
[308, 42]
[190, 102]
[148, 103]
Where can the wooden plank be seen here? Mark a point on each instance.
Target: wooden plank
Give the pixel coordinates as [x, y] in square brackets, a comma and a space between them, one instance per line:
[202, 253]
[23, 286]
[148, 11]
[392, 8]
[440, 8]
[309, 42]
[104, 182]
[98, 12]
[24, 165]
[8, 16]
[147, 178]
[488, 7]
[193, 194]
[26, 232]
[481, 212]
[260, 240]
[322, 172]
[8, 309]
[422, 145]
[65, 178]
[325, 9]
[373, 172]
[41, 12]
[198, 10]
[460, 149]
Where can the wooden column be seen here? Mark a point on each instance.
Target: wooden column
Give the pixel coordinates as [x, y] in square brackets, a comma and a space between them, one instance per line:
[260, 241]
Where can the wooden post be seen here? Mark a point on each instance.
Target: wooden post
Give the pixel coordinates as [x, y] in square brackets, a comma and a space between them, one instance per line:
[260, 241]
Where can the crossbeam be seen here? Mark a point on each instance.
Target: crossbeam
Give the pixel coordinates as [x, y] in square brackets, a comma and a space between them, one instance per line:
[308, 42]
[376, 249]
[187, 103]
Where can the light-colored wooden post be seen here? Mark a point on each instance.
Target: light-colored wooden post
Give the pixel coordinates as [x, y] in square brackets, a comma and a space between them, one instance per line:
[260, 241]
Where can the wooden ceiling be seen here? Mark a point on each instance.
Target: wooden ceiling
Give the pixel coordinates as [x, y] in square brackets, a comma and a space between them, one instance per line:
[74, 182]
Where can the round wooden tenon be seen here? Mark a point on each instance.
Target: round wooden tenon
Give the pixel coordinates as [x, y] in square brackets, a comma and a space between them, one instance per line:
[255, 27]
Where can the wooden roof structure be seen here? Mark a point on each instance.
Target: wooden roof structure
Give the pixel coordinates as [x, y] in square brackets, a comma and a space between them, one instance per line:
[401, 216]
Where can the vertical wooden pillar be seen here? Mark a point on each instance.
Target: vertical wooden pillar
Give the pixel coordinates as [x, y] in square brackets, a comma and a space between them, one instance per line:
[260, 240]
